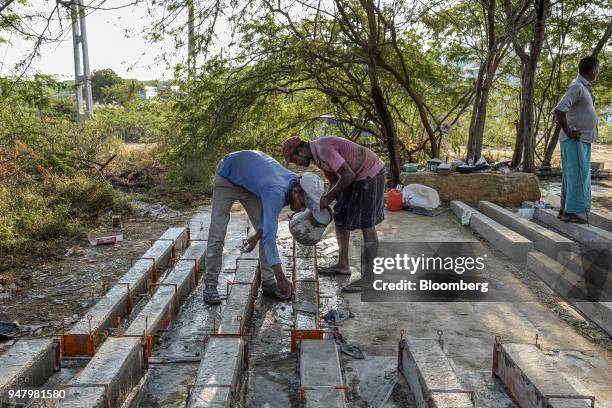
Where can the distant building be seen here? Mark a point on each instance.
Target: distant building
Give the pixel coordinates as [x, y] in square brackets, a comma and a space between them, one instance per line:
[162, 90]
[149, 92]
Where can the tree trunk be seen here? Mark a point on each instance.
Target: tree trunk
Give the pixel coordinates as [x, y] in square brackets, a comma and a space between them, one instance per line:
[191, 54]
[525, 136]
[554, 139]
[477, 125]
[518, 146]
[526, 125]
[552, 144]
[388, 131]
[378, 96]
[476, 117]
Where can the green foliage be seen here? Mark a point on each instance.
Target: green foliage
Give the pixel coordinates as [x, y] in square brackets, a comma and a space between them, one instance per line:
[56, 207]
[217, 117]
[47, 188]
[102, 79]
[123, 93]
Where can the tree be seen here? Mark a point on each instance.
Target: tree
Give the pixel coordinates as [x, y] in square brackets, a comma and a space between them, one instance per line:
[103, 78]
[495, 47]
[529, 14]
[123, 93]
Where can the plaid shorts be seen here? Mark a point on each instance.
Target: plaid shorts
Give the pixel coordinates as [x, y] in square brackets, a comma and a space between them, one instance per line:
[362, 204]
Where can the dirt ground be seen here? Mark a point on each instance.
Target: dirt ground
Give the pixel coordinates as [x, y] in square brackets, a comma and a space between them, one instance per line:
[61, 280]
[599, 153]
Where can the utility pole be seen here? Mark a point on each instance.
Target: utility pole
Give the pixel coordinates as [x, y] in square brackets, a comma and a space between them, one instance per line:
[191, 40]
[82, 77]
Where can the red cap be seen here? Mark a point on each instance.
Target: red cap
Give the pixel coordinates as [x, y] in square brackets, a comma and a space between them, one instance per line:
[289, 147]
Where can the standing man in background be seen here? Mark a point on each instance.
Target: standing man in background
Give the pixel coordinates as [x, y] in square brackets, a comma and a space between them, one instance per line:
[578, 120]
[357, 179]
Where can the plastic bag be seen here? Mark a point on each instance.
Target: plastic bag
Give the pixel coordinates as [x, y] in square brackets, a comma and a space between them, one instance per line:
[418, 195]
[526, 213]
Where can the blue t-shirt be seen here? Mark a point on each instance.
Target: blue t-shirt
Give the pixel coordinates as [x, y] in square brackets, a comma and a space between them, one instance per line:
[267, 179]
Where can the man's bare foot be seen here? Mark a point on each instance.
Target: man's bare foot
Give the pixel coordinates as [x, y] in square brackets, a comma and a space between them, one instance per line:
[335, 269]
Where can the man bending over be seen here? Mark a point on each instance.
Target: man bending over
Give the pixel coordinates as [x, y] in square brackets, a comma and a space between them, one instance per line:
[357, 178]
[263, 187]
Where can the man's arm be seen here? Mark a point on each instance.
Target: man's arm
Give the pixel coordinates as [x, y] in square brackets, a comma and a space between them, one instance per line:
[269, 227]
[571, 96]
[331, 176]
[347, 176]
[562, 119]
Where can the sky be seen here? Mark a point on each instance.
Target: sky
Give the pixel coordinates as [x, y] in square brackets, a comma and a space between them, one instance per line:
[109, 47]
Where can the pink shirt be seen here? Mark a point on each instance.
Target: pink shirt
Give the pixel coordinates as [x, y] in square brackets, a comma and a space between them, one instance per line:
[330, 152]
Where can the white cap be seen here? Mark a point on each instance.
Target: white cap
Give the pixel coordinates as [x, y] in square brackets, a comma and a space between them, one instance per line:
[313, 188]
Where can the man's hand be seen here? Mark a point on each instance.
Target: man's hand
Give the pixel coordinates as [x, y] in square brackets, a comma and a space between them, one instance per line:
[284, 286]
[574, 134]
[325, 201]
[251, 242]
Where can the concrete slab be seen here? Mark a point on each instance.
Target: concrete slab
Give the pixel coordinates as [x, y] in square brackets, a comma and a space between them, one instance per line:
[600, 220]
[27, 364]
[566, 283]
[109, 377]
[430, 375]
[510, 243]
[590, 236]
[532, 379]
[165, 303]
[116, 303]
[306, 321]
[599, 312]
[582, 264]
[544, 240]
[237, 310]
[322, 385]
[305, 314]
[246, 269]
[219, 373]
[223, 361]
[562, 280]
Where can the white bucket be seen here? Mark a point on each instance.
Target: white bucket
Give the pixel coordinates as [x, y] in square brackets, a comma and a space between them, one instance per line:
[308, 228]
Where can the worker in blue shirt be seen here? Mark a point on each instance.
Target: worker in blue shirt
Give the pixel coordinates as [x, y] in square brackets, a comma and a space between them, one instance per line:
[263, 187]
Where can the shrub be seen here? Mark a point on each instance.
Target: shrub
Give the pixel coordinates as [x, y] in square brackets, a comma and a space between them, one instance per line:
[59, 206]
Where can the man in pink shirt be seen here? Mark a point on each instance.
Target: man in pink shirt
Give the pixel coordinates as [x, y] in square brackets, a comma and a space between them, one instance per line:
[357, 178]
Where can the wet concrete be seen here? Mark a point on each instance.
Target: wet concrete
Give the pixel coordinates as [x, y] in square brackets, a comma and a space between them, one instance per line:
[165, 385]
